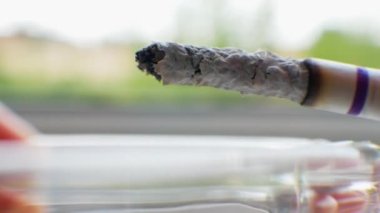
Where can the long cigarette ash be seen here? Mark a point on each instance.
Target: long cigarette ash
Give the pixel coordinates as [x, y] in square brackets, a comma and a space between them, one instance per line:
[261, 72]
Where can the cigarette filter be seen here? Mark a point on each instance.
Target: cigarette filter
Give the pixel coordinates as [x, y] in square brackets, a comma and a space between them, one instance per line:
[343, 88]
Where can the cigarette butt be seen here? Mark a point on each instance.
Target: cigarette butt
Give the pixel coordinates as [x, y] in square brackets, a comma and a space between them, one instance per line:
[320, 84]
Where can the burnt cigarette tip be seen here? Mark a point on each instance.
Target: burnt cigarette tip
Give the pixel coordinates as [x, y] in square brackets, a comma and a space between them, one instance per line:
[148, 57]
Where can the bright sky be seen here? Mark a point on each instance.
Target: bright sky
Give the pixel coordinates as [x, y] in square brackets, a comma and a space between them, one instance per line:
[296, 22]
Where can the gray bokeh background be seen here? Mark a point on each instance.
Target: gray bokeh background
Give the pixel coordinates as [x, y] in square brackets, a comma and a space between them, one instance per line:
[246, 120]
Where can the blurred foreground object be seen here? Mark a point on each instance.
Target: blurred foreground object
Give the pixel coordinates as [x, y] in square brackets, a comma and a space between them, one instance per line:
[164, 173]
[320, 84]
[12, 127]
[112, 173]
[11, 202]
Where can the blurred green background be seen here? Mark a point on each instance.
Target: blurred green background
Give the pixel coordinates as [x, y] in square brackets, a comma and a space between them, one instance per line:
[42, 66]
[36, 66]
[41, 69]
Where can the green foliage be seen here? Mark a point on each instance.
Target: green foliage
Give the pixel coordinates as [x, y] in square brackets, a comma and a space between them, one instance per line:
[3, 77]
[347, 47]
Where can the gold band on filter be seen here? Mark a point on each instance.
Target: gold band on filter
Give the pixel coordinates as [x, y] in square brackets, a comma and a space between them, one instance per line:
[343, 88]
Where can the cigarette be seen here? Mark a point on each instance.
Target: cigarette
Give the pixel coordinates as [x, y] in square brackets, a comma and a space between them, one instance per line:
[316, 83]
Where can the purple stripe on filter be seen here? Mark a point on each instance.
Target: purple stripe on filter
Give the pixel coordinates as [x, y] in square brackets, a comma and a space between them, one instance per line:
[361, 92]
